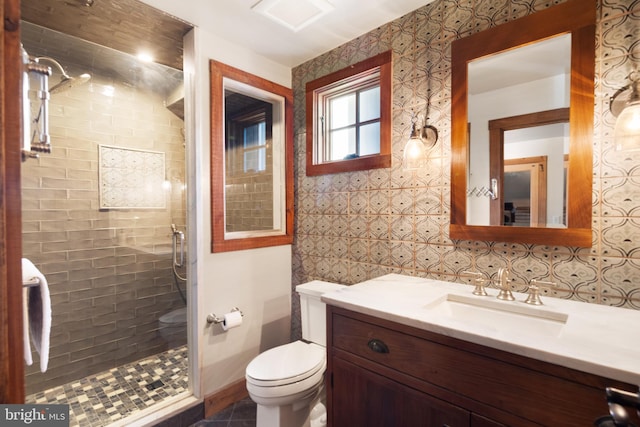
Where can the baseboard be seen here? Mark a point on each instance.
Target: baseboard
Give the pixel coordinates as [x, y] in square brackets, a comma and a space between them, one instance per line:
[224, 398]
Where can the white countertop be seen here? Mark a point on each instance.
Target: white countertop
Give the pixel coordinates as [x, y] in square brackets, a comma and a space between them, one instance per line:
[597, 339]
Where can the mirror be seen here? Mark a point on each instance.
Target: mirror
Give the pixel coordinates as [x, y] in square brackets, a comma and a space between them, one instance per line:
[251, 160]
[538, 76]
[522, 125]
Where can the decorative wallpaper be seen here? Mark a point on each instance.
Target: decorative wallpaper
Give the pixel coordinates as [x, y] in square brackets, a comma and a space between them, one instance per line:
[131, 178]
[355, 226]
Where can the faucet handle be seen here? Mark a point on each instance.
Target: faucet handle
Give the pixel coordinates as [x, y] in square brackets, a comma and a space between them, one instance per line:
[534, 291]
[479, 281]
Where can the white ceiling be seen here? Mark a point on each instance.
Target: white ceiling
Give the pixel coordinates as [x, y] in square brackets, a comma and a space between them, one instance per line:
[234, 20]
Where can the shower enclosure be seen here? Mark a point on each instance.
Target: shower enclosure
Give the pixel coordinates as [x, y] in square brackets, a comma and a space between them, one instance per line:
[98, 213]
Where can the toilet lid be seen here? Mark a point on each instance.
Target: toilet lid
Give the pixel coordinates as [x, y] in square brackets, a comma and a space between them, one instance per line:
[178, 317]
[286, 364]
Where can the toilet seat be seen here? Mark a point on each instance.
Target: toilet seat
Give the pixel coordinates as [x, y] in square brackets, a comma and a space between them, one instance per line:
[286, 364]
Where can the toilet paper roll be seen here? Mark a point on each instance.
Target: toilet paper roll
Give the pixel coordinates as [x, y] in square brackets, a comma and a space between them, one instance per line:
[232, 320]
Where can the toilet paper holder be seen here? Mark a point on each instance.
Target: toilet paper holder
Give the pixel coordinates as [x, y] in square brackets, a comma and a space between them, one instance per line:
[212, 318]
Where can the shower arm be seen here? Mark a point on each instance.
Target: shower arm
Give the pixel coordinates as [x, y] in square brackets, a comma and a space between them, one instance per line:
[54, 62]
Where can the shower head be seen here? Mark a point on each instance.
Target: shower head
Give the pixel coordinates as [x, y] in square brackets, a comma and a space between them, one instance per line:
[66, 82]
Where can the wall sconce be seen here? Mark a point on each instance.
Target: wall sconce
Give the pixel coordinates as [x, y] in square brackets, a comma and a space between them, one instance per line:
[415, 150]
[625, 105]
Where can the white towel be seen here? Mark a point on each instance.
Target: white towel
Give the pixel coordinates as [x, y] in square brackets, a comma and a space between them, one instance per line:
[36, 314]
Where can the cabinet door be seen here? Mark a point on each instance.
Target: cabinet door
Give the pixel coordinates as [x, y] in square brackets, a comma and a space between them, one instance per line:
[361, 398]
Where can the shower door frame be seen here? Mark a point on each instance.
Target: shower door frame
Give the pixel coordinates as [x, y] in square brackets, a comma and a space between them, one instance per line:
[12, 385]
[11, 346]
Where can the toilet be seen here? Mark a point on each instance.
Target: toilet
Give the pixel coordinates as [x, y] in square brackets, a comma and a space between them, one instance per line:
[286, 382]
[172, 327]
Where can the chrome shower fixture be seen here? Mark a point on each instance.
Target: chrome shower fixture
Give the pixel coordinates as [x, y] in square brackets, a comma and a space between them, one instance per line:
[66, 81]
[39, 140]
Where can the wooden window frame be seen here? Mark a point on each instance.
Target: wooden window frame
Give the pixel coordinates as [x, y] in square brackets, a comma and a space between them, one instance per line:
[380, 63]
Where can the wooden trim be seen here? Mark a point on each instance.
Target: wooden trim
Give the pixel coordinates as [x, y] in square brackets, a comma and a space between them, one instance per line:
[578, 18]
[224, 398]
[580, 176]
[328, 377]
[11, 347]
[217, 71]
[540, 118]
[382, 160]
[496, 170]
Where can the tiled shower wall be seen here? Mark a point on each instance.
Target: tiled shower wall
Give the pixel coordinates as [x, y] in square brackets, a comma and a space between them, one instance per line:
[109, 271]
[249, 200]
[355, 226]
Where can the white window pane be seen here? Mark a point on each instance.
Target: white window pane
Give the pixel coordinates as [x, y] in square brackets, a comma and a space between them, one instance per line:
[255, 135]
[370, 104]
[370, 139]
[251, 160]
[342, 111]
[342, 143]
[255, 160]
[262, 159]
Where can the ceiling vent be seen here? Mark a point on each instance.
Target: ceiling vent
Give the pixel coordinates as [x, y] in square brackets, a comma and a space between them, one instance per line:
[293, 14]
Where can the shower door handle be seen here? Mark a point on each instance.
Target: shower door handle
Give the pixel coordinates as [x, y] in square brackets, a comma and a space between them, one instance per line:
[178, 235]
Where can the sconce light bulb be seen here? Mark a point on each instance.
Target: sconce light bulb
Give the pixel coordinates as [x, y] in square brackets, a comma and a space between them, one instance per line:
[414, 154]
[627, 130]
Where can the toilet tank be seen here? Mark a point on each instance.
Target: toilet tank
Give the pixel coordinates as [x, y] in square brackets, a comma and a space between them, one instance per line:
[313, 311]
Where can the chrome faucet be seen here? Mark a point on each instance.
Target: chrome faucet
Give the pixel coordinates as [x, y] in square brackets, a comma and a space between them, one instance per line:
[504, 285]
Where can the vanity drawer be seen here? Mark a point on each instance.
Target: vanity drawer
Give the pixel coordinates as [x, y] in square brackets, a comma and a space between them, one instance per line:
[483, 379]
[384, 346]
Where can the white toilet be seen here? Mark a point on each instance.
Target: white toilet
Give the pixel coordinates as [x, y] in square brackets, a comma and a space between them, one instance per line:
[172, 327]
[286, 381]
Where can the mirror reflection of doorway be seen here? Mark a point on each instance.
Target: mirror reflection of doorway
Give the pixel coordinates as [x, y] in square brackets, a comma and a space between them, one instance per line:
[525, 192]
[537, 141]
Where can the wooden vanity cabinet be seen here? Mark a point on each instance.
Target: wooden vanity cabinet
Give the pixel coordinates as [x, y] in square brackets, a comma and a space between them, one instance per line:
[374, 400]
[382, 373]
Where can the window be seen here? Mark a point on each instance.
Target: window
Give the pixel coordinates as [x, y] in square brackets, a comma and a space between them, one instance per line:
[247, 136]
[255, 147]
[350, 121]
[349, 118]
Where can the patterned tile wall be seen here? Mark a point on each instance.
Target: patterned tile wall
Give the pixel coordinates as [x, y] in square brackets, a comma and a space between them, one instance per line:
[355, 226]
[109, 271]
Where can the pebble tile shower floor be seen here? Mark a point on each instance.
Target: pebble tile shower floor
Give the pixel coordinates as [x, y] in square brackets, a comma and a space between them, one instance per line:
[101, 399]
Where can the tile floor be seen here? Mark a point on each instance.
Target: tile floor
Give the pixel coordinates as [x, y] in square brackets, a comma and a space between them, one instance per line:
[101, 399]
[240, 414]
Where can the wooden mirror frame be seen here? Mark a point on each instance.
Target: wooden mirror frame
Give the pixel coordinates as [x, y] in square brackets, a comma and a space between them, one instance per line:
[576, 17]
[219, 243]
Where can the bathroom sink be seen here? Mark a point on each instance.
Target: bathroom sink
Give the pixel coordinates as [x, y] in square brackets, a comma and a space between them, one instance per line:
[498, 316]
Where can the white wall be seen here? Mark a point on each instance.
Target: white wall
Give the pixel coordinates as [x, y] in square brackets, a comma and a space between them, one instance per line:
[257, 281]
